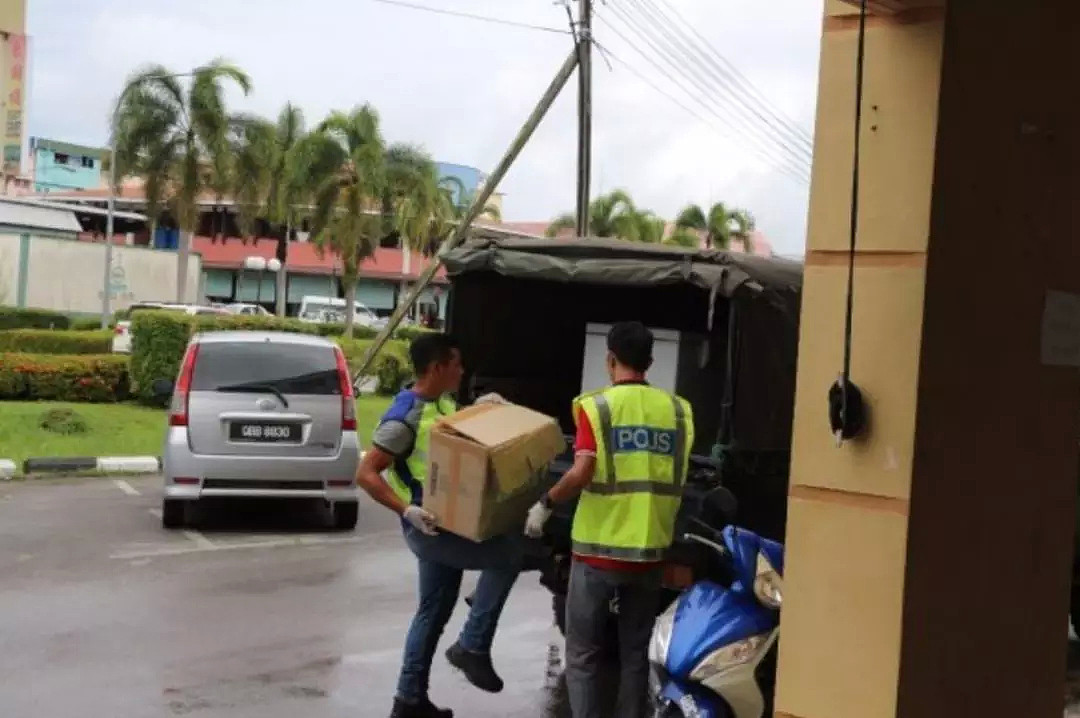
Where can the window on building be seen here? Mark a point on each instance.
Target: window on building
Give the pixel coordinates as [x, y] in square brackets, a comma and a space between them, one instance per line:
[60, 158]
[88, 162]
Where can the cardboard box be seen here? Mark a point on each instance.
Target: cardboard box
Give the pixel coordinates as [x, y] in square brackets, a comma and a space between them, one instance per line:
[487, 465]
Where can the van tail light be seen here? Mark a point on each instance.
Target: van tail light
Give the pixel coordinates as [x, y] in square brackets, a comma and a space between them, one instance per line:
[118, 329]
[348, 404]
[178, 408]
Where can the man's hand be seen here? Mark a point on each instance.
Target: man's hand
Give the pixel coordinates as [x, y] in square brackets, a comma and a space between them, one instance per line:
[423, 521]
[538, 516]
[491, 398]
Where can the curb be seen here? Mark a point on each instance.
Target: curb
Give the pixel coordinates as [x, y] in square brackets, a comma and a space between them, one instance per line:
[7, 469]
[104, 464]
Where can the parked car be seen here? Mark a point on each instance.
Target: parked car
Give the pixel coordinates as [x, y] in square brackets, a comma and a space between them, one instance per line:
[324, 310]
[260, 414]
[247, 309]
[121, 342]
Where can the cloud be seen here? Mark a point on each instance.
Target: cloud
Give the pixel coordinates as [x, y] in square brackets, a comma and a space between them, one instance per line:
[460, 88]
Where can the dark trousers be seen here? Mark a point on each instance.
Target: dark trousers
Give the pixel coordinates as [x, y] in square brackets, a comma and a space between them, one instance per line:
[591, 592]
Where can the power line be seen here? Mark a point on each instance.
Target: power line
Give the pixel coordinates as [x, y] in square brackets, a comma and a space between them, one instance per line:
[762, 147]
[473, 16]
[679, 103]
[726, 74]
[801, 156]
[740, 78]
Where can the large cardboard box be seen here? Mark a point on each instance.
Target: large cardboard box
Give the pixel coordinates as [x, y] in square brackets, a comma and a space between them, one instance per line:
[487, 465]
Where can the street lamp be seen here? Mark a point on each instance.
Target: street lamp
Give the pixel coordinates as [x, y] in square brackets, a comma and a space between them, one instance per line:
[106, 314]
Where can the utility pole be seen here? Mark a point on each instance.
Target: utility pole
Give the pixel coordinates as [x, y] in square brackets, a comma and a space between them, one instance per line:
[584, 50]
[478, 204]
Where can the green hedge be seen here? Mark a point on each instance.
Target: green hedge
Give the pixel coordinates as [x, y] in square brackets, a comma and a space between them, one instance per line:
[41, 377]
[159, 340]
[14, 318]
[48, 341]
[87, 324]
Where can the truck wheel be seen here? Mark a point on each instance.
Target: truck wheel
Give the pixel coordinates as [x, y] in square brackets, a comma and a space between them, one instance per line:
[345, 515]
[173, 513]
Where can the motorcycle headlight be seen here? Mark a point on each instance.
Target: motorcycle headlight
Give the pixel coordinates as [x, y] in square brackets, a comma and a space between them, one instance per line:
[768, 584]
[728, 657]
[661, 637]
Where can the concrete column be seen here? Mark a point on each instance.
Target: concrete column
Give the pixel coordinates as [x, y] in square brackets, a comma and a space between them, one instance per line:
[928, 563]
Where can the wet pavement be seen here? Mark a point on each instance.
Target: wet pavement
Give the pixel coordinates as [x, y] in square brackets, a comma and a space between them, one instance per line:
[260, 612]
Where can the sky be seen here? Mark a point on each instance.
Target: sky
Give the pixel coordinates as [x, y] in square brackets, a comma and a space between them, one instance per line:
[461, 88]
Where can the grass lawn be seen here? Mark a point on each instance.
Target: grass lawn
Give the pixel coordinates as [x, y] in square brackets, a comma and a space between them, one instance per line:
[114, 429]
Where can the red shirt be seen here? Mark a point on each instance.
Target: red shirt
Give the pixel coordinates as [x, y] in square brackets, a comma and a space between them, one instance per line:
[585, 443]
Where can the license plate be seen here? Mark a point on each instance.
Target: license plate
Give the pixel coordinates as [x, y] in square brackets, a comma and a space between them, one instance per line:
[265, 432]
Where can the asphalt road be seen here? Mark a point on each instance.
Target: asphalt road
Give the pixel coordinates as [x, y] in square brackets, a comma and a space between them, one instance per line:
[259, 613]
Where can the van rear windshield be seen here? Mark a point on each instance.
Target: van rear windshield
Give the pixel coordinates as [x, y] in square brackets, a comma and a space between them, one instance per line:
[288, 368]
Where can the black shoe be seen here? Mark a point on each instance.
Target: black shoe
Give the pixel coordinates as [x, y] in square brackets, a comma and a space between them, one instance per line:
[476, 667]
[423, 709]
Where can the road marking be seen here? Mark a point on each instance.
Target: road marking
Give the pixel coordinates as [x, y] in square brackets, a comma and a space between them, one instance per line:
[126, 487]
[298, 541]
[201, 541]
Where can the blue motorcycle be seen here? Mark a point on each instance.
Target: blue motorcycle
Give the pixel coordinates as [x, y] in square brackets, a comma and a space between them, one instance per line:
[713, 651]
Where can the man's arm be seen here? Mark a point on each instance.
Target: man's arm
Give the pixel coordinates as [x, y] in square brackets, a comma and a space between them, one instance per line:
[575, 480]
[369, 477]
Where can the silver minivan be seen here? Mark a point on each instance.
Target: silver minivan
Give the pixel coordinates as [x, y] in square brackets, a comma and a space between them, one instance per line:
[260, 414]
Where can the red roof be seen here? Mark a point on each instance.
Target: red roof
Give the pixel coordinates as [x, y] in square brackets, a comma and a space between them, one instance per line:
[230, 254]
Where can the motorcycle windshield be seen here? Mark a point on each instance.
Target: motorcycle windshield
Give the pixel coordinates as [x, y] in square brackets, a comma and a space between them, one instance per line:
[709, 617]
[744, 547]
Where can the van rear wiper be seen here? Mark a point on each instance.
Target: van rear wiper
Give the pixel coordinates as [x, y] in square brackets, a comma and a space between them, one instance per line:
[253, 389]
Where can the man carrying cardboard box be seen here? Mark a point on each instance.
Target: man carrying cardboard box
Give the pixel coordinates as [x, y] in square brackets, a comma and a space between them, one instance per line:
[400, 447]
[631, 457]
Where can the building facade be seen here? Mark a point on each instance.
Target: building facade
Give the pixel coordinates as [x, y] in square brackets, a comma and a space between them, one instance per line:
[62, 166]
[14, 54]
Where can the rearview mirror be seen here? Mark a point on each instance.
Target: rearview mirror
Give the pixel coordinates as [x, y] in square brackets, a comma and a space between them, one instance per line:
[162, 388]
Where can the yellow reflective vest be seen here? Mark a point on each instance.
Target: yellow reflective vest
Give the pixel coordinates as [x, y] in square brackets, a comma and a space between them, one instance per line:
[643, 440]
[407, 475]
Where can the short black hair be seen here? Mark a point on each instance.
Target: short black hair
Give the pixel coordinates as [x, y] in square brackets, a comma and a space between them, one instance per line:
[432, 348]
[632, 344]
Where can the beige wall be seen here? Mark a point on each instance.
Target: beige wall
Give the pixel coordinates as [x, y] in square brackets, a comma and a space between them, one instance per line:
[13, 16]
[927, 566]
[9, 268]
[67, 276]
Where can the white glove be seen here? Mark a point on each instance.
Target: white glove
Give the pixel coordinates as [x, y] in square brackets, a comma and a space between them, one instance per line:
[491, 398]
[538, 516]
[423, 521]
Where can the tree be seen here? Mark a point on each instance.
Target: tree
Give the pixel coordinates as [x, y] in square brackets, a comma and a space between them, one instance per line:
[610, 215]
[177, 139]
[720, 224]
[684, 237]
[287, 187]
[345, 163]
[651, 228]
[461, 200]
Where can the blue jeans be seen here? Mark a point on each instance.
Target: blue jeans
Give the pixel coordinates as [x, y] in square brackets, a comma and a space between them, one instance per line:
[442, 560]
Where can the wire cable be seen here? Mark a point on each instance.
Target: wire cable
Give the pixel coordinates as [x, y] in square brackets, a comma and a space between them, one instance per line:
[691, 49]
[762, 147]
[728, 69]
[750, 129]
[791, 173]
[692, 68]
[472, 16]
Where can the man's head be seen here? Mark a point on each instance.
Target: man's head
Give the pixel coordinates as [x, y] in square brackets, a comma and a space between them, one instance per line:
[630, 346]
[437, 363]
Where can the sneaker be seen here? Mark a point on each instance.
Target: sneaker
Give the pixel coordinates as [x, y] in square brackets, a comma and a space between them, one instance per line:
[423, 709]
[476, 667]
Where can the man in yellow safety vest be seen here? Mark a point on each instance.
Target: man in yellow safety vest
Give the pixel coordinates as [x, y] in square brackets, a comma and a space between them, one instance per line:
[631, 457]
[399, 451]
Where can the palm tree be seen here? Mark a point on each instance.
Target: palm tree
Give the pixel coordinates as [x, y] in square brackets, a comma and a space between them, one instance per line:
[461, 200]
[610, 215]
[177, 139]
[651, 228]
[345, 163]
[720, 224]
[684, 237]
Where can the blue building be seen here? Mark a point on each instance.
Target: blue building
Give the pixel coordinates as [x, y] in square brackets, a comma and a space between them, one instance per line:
[62, 166]
[470, 178]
